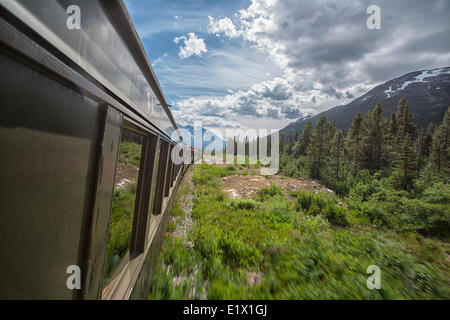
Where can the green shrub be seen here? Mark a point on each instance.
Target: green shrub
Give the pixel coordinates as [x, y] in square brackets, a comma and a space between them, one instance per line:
[271, 191]
[335, 214]
[176, 210]
[171, 226]
[243, 204]
[279, 210]
[307, 199]
[231, 167]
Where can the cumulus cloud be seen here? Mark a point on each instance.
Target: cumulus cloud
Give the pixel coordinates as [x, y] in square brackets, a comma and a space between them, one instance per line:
[327, 41]
[191, 45]
[224, 26]
[327, 54]
[270, 100]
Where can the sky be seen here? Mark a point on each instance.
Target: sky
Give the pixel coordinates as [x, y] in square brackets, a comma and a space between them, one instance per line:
[265, 63]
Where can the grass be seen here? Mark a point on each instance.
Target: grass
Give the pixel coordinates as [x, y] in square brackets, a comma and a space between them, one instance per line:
[120, 228]
[121, 221]
[310, 248]
[130, 152]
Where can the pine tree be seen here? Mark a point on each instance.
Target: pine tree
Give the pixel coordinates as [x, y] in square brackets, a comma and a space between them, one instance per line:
[373, 139]
[419, 150]
[404, 155]
[295, 137]
[440, 148]
[353, 141]
[304, 140]
[428, 140]
[317, 149]
[282, 143]
[337, 154]
[403, 119]
[393, 125]
[331, 133]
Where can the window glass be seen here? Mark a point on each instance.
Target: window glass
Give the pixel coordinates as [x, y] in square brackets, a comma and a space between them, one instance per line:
[123, 202]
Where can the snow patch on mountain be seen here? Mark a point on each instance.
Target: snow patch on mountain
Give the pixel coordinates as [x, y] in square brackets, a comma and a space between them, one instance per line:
[389, 91]
[420, 78]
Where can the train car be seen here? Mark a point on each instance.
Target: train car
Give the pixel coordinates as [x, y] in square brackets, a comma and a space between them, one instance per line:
[86, 136]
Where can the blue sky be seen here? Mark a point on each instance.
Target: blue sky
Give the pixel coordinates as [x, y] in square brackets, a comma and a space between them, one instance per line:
[160, 22]
[265, 63]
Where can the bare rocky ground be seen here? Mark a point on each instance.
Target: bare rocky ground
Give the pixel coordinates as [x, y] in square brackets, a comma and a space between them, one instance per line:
[126, 174]
[239, 186]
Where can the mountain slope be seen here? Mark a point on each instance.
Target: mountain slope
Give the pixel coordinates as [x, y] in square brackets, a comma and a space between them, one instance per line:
[213, 141]
[427, 92]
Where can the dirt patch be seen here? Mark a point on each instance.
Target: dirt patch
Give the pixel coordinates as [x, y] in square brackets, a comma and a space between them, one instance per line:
[126, 174]
[254, 278]
[248, 186]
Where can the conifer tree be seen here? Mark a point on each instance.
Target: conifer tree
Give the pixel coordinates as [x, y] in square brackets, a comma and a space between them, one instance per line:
[304, 140]
[419, 150]
[282, 143]
[373, 139]
[404, 155]
[353, 141]
[317, 149]
[337, 154]
[440, 148]
[428, 139]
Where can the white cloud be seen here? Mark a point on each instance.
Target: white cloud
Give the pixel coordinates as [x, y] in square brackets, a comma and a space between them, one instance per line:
[192, 46]
[317, 53]
[224, 26]
[326, 53]
[271, 103]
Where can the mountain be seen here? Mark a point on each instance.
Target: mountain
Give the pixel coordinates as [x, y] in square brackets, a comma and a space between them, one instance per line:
[205, 133]
[427, 92]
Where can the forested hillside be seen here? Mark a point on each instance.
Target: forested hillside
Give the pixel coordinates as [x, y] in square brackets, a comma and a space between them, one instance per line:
[428, 93]
[391, 173]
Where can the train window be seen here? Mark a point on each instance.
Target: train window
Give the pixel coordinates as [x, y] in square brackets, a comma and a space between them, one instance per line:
[155, 174]
[163, 164]
[123, 203]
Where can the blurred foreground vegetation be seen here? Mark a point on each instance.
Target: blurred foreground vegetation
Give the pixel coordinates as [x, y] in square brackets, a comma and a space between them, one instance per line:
[305, 245]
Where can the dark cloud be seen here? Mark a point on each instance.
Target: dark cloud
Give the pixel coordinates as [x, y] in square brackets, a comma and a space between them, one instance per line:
[331, 38]
[327, 53]
[279, 92]
[348, 95]
[273, 113]
[292, 112]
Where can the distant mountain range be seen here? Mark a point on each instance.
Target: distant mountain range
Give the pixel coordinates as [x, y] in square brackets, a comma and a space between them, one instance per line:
[427, 92]
[205, 134]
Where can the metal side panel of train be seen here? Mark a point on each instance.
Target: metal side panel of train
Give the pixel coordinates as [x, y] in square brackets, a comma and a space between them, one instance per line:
[76, 88]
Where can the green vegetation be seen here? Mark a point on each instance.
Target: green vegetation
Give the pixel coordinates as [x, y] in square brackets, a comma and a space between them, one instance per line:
[121, 221]
[390, 208]
[314, 246]
[130, 152]
[390, 175]
[120, 227]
